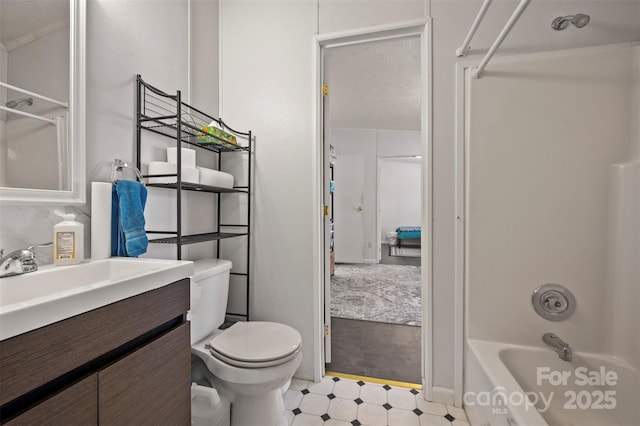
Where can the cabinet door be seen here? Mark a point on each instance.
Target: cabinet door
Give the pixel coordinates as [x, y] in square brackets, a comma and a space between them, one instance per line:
[75, 405]
[151, 385]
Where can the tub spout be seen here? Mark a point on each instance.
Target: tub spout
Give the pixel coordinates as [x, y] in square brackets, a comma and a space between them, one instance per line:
[563, 349]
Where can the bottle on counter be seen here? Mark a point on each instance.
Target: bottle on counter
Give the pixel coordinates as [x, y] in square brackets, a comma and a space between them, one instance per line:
[68, 240]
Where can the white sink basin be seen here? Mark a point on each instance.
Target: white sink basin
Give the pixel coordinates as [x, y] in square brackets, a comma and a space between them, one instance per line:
[51, 294]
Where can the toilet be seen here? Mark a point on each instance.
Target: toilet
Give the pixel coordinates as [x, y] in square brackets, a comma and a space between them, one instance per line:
[248, 363]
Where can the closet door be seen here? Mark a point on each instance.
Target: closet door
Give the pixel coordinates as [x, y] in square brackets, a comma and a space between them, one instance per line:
[349, 208]
[151, 385]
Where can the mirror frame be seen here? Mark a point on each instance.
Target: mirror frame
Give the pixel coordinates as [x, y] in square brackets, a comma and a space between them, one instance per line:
[76, 137]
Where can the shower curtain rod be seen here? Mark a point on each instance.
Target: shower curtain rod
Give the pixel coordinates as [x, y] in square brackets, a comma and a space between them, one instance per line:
[477, 71]
[464, 49]
[27, 114]
[35, 95]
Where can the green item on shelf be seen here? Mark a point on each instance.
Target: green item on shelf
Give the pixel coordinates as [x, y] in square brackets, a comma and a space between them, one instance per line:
[212, 134]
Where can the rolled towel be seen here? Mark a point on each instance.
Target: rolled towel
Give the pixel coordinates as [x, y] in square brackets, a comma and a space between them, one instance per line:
[188, 156]
[215, 178]
[189, 174]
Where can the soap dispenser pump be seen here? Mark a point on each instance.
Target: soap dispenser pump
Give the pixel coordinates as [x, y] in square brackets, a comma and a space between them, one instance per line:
[68, 240]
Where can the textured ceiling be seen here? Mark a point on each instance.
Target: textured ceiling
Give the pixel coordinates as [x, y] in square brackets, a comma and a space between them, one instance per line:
[19, 17]
[375, 85]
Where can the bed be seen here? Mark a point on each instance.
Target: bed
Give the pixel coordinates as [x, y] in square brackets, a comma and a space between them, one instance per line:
[409, 235]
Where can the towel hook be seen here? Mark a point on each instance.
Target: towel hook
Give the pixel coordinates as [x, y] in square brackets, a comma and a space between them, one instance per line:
[119, 166]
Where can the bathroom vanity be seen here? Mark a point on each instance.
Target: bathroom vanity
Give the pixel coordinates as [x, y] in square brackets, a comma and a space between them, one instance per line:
[127, 362]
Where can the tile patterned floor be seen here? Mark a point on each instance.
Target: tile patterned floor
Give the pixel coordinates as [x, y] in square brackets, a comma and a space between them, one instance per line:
[343, 402]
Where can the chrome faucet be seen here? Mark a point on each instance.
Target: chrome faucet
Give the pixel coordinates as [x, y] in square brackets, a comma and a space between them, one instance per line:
[19, 261]
[563, 349]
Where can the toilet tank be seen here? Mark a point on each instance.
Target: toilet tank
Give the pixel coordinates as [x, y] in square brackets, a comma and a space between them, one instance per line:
[209, 293]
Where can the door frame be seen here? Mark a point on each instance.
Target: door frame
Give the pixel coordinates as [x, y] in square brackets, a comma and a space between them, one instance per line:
[422, 29]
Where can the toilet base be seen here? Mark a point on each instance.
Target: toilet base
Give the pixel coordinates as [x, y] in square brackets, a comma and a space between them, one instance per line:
[259, 410]
[255, 393]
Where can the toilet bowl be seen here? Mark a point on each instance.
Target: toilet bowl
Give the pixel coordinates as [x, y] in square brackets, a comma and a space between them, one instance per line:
[249, 362]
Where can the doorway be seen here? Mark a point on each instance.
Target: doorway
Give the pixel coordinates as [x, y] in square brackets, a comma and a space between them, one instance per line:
[371, 141]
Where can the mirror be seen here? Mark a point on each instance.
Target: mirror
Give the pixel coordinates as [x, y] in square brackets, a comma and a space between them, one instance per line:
[42, 101]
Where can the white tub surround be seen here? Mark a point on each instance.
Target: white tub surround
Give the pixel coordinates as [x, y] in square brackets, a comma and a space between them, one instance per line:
[552, 184]
[623, 269]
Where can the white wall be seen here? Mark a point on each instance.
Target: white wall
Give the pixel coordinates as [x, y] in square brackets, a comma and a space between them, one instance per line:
[123, 38]
[266, 87]
[139, 44]
[201, 209]
[399, 202]
[400, 187]
[538, 193]
[398, 143]
[400, 181]
[344, 15]
[251, 71]
[205, 51]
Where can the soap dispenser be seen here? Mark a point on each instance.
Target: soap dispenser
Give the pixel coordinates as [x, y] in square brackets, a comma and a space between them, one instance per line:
[68, 240]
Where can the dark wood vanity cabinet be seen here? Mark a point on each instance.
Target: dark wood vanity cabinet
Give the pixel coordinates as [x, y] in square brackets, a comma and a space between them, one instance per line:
[75, 405]
[152, 383]
[122, 364]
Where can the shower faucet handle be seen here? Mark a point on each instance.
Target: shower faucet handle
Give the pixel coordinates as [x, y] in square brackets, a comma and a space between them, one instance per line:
[554, 302]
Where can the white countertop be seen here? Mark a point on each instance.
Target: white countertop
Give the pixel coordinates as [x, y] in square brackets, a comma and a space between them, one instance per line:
[55, 293]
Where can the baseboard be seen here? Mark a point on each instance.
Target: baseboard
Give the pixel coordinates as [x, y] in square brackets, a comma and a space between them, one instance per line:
[303, 376]
[442, 395]
[363, 261]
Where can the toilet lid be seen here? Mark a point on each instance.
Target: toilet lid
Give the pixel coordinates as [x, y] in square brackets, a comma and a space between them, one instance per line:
[257, 341]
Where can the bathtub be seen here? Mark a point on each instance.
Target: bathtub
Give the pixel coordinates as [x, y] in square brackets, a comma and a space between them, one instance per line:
[529, 386]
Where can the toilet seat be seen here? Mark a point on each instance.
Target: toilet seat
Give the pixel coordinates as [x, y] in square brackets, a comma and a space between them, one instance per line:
[252, 364]
[256, 344]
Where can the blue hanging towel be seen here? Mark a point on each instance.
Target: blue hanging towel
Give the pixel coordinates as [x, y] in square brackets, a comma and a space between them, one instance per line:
[128, 237]
[117, 237]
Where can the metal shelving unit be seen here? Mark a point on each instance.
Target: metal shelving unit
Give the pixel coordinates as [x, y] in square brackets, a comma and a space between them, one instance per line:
[164, 114]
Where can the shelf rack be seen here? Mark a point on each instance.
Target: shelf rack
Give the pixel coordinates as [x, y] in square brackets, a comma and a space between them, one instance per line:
[167, 115]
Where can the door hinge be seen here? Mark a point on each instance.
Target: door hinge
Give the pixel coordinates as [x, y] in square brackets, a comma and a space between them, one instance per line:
[325, 89]
[326, 210]
[326, 330]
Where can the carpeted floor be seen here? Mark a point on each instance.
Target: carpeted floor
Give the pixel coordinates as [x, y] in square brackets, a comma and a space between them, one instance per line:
[377, 292]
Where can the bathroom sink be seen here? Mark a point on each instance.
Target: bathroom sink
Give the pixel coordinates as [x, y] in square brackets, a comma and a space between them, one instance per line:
[51, 294]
